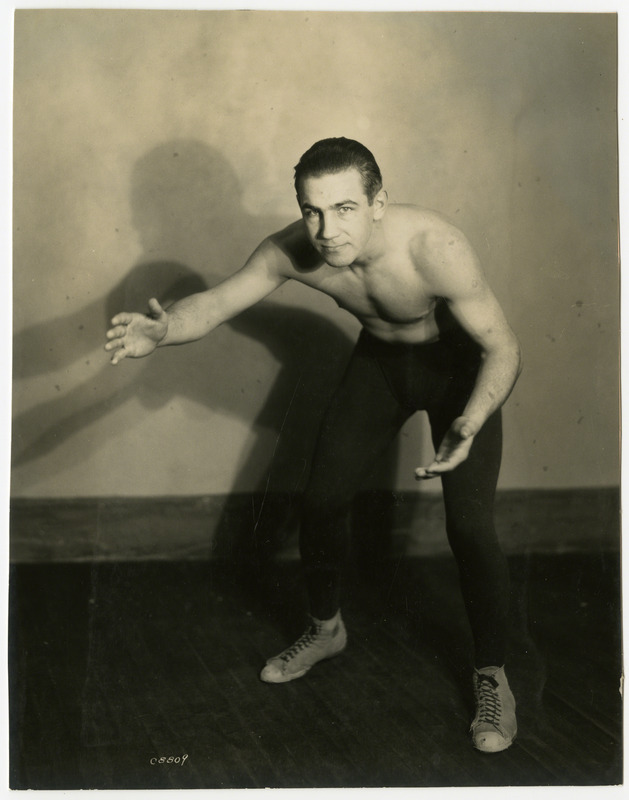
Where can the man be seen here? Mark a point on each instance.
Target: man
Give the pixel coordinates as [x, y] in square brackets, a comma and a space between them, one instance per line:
[434, 338]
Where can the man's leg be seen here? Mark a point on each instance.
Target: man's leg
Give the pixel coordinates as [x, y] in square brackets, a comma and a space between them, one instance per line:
[361, 421]
[469, 493]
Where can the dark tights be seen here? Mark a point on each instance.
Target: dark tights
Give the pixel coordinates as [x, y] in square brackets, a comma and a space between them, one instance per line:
[383, 386]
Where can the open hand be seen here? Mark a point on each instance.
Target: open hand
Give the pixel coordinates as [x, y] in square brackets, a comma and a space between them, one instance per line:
[454, 449]
[136, 335]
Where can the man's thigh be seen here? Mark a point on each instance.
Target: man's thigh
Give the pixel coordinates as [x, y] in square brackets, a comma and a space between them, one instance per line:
[362, 419]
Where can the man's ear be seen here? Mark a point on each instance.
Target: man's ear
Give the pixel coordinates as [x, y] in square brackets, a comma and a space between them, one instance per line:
[380, 203]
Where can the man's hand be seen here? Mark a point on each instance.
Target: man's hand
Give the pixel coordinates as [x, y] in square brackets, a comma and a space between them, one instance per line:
[454, 449]
[137, 335]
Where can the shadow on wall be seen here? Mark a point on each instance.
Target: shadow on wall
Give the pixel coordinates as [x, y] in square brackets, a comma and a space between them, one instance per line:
[186, 204]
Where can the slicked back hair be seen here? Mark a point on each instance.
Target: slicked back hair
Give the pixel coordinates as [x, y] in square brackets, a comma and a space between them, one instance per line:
[337, 155]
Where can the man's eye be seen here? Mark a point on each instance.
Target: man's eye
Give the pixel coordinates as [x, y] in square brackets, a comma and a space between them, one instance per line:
[344, 209]
[309, 213]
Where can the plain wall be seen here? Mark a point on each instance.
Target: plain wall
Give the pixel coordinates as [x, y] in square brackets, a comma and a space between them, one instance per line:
[154, 150]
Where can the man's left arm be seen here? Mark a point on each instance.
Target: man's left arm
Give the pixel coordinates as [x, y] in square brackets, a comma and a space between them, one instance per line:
[454, 272]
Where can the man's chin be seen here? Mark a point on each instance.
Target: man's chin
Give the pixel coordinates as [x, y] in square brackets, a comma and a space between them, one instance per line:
[340, 258]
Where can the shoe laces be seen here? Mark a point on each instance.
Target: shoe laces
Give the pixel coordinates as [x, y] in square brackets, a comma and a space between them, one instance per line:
[304, 641]
[489, 705]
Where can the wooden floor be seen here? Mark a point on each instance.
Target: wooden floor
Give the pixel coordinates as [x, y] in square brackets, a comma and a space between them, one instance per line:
[114, 665]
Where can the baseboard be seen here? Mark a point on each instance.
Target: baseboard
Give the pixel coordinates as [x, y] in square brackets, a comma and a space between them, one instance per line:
[229, 526]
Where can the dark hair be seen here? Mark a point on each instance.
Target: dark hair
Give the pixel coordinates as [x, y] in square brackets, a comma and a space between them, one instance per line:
[337, 155]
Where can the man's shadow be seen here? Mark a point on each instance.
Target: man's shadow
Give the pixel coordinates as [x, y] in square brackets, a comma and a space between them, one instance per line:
[194, 231]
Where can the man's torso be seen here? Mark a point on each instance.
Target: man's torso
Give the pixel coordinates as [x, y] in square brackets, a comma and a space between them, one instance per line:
[391, 297]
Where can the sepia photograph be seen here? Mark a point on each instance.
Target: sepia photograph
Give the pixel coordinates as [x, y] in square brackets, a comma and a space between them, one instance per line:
[315, 453]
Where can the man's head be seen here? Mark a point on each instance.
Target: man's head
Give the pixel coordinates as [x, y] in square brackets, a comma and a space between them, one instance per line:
[339, 190]
[330, 156]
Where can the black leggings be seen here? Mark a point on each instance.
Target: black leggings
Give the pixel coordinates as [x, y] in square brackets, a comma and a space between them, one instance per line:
[384, 384]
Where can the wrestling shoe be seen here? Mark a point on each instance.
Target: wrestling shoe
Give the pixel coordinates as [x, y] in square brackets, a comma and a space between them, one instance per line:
[321, 640]
[494, 727]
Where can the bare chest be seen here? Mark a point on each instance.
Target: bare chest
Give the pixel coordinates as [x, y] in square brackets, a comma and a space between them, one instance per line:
[392, 293]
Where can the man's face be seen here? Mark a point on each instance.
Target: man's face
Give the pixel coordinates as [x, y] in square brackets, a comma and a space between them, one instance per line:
[339, 219]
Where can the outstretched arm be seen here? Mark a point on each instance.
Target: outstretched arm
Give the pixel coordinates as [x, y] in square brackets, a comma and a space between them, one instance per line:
[136, 335]
[456, 275]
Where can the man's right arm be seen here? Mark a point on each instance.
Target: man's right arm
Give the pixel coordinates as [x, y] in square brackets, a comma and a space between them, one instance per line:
[136, 335]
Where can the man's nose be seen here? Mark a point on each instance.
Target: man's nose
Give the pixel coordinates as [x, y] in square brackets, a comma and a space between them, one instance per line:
[328, 227]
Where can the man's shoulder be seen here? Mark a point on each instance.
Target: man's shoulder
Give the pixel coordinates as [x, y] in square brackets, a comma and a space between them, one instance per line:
[419, 219]
[292, 234]
[292, 246]
[427, 231]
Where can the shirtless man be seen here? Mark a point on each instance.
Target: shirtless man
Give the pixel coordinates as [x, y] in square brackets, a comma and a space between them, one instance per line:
[433, 338]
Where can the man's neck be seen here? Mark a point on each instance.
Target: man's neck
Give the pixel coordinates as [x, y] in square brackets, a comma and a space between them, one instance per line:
[374, 250]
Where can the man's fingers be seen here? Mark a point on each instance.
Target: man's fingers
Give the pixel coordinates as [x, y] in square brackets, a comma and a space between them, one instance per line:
[117, 332]
[122, 319]
[118, 355]
[440, 465]
[425, 473]
[115, 344]
[454, 450]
